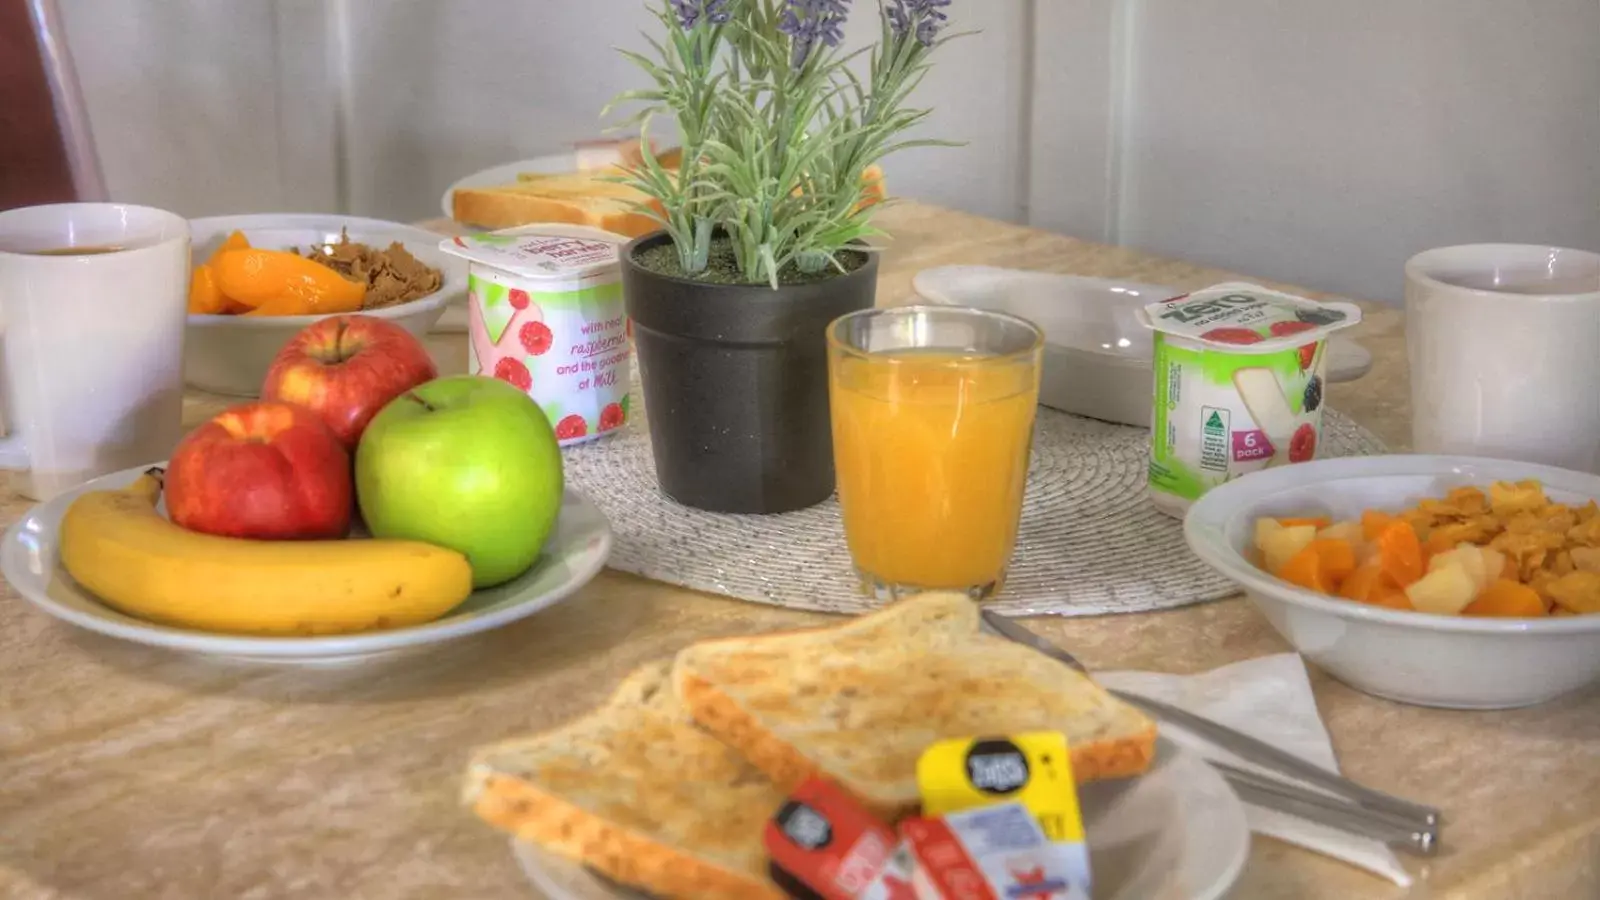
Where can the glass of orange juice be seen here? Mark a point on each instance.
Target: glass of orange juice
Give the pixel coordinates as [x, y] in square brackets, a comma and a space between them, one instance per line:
[933, 412]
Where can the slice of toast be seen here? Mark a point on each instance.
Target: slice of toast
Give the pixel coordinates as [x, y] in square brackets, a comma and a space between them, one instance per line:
[577, 198]
[635, 791]
[859, 702]
[582, 198]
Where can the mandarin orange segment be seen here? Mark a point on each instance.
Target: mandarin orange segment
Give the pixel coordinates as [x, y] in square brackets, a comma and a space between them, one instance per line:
[1314, 521]
[1391, 598]
[1400, 553]
[1305, 569]
[1373, 522]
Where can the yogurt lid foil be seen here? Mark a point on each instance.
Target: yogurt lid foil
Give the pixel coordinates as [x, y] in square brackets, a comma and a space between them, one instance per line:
[1248, 318]
[537, 255]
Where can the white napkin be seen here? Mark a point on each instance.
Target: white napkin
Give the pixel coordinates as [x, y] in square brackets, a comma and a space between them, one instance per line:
[1269, 699]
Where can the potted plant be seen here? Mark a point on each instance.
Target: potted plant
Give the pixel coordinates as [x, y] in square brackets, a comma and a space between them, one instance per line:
[763, 216]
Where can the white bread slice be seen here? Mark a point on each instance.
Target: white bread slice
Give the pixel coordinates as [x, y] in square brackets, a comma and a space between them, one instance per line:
[635, 791]
[859, 702]
[577, 198]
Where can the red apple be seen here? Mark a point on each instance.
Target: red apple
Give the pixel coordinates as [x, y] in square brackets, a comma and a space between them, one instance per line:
[269, 471]
[346, 368]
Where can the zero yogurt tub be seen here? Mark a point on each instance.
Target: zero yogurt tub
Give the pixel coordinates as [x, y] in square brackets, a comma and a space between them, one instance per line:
[1239, 377]
[545, 313]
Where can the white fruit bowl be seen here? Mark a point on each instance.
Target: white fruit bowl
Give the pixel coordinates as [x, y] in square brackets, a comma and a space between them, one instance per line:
[1455, 662]
[230, 354]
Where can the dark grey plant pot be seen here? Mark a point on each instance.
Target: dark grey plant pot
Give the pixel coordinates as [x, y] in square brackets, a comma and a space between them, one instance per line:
[736, 383]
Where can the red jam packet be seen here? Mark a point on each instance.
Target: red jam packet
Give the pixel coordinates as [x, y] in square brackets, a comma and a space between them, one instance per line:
[823, 843]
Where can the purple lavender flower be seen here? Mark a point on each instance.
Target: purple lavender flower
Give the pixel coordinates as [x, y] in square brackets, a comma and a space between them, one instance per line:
[921, 18]
[690, 12]
[808, 21]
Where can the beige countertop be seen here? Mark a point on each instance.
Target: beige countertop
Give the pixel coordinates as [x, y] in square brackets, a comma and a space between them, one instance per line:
[127, 771]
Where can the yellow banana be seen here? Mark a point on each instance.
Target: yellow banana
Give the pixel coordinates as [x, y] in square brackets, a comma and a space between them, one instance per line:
[117, 545]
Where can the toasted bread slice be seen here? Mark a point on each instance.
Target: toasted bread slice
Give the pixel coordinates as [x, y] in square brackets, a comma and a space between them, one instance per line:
[637, 792]
[583, 198]
[859, 702]
[577, 198]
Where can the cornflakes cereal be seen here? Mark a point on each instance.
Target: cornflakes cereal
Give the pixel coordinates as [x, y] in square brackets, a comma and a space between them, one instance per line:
[1506, 498]
[1577, 591]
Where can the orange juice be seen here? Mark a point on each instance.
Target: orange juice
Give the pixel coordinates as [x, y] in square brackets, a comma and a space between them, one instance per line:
[931, 449]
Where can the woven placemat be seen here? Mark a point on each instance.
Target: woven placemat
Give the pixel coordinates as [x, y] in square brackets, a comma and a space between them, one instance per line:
[1090, 542]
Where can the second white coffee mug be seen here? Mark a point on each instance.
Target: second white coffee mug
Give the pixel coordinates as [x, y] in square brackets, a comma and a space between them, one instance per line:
[94, 302]
[1504, 346]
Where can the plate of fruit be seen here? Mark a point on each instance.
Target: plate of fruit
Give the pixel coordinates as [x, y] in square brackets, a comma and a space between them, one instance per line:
[363, 505]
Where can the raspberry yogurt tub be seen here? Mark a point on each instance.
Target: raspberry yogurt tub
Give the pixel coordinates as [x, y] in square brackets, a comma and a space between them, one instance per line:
[1239, 377]
[545, 313]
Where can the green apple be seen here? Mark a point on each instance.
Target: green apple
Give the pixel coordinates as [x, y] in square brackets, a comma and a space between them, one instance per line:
[465, 462]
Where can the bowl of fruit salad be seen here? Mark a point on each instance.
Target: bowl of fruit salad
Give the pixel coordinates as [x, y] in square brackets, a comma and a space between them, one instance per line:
[1444, 581]
[258, 280]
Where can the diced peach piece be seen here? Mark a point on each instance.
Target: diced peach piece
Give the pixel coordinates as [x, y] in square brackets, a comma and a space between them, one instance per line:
[1338, 559]
[205, 298]
[1508, 599]
[1362, 583]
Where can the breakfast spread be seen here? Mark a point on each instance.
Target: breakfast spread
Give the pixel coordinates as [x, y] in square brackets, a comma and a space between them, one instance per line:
[342, 277]
[1238, 385]
[458, 480]
[672, 786]
[545, 315]
[1507, 551]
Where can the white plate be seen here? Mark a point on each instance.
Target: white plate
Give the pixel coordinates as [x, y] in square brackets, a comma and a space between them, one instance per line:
[506, 173]
[30, 561]
[1177, 832]
[230, 354]
[1097, 355]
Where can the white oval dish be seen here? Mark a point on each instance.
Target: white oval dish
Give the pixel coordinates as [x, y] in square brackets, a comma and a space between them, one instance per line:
[1456, 662]
[30, 560]
[1177, 832]
[230, 354]
[1097, 357]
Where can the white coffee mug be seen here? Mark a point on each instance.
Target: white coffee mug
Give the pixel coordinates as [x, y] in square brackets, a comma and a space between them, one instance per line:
[93, 298]
[1504, 345]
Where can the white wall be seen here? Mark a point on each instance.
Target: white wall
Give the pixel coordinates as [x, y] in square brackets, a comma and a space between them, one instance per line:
[1324, 143]
[1312, 142]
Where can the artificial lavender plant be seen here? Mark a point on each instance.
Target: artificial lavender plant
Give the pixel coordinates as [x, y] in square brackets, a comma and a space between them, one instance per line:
[776, 128]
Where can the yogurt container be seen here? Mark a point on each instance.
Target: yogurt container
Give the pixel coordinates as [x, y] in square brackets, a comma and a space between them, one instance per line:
[1239, 381]
[545, 313]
